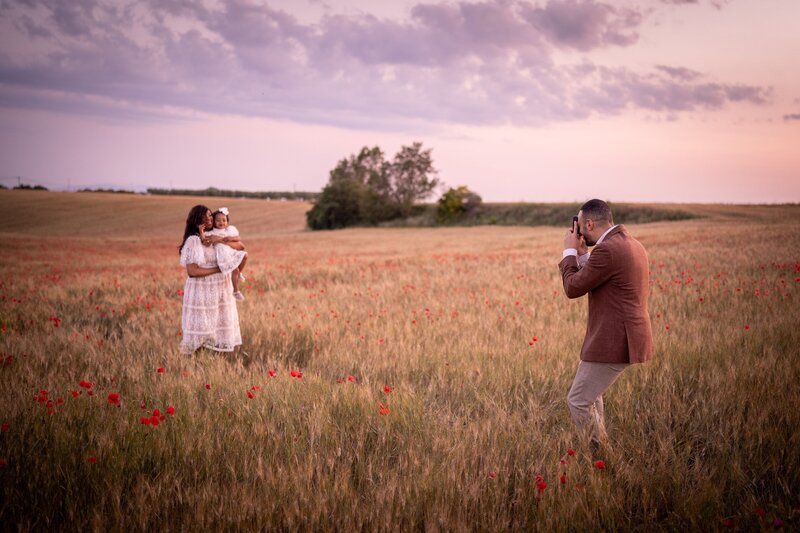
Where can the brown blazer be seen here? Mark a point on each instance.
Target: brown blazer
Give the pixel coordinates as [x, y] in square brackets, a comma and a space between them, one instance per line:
[617, 278]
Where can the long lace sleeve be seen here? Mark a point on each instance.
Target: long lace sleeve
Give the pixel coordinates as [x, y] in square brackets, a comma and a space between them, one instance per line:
[192, 251]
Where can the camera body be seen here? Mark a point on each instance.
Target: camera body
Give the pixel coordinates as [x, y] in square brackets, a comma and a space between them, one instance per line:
[575, 227]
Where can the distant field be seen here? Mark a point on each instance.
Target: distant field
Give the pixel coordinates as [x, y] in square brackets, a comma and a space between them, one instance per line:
[136, 216]
[469, 329]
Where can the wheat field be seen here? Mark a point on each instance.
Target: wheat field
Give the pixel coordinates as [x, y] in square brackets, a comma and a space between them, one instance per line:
[390, 379]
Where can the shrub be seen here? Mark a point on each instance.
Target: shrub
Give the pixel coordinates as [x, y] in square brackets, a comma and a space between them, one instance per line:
[455, 203]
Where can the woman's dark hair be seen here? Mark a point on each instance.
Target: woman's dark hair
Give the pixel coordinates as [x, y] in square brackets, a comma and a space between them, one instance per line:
[195, 218]
[215, 213]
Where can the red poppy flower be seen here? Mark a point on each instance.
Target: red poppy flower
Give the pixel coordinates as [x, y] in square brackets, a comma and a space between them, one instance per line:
[600, 465]
[113, 398]
[728, 522]
[387, 389]
[351, 379]
[156, 412]
[563, 461]
[760, 512]
[208, 386]
[579, 486]
[383, 410]
[90, 392]
[492, 474]
[293, 373]
[75, 393]
[5, 426]
[170, 410]
[161, 370]
[272, 373]
[540, 486]
[747, 328]
[60, 401]
[563, 479]
[145, 420]
[3, 463]
[570, 452]
[250, 395]
[154, 420]
[85, 384]
[92, 459]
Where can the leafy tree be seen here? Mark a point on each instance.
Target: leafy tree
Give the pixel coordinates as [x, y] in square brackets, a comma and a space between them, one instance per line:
[412, 177]
[368, 168]
[337, 206]
[367, 189]
[454, 203]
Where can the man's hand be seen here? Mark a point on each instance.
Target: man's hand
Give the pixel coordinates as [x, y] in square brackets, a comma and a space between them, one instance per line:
[582, 248]
[571, 240]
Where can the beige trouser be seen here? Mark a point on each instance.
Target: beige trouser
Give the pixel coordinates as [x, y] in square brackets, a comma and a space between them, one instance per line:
[585, 398]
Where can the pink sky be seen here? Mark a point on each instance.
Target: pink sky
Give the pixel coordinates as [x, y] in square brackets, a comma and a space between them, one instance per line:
[556, 100]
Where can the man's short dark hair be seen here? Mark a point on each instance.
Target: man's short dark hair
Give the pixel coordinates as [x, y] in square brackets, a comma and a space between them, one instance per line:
[597, 210]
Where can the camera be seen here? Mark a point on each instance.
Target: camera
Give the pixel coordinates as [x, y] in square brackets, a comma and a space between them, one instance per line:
[575, 227]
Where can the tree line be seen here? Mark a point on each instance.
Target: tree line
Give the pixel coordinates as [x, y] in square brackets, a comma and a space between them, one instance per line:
[227, 193]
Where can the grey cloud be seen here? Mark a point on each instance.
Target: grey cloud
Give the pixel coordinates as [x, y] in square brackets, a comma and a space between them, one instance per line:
[585, 25]
[679, 73]
[791, 116]
[719, 4]
[490, 62]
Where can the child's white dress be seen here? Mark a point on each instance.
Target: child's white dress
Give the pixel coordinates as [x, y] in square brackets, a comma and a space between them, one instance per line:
[227, 258]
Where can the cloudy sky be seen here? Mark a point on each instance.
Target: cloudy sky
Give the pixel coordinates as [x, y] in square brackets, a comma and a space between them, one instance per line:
[537, 100]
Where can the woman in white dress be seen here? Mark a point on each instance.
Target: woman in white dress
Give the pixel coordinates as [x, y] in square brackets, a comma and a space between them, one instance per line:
[210, 318]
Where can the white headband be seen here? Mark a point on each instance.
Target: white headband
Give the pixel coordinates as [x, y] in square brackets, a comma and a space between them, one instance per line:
[223, 210]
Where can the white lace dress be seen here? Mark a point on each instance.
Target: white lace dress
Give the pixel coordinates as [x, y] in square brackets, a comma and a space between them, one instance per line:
[227, 258]
[210, 318]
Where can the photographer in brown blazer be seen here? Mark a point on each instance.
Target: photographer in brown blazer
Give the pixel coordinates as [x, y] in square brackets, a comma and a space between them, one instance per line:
[616, 277]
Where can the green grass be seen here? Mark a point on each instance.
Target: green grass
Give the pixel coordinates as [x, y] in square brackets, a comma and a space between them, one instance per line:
[541, 214]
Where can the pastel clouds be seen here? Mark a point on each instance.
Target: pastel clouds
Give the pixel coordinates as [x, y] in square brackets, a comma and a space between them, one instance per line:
[481, 63]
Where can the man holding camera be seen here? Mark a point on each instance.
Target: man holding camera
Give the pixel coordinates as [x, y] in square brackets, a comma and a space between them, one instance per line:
[616, 277]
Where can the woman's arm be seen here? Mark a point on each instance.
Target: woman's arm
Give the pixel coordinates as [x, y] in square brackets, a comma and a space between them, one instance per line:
[196, 271]
[235, 243]
[211, 240]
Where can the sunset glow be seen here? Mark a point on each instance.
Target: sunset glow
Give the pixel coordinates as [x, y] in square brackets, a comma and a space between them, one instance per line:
[559, 100]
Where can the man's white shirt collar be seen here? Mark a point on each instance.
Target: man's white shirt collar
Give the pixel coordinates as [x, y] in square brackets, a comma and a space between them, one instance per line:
[603, 236]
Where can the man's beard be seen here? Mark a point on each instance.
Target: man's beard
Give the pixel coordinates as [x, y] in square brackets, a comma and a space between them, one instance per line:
[588, 240]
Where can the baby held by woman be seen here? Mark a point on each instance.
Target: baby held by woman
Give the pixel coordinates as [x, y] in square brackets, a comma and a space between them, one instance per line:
[231, 255]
